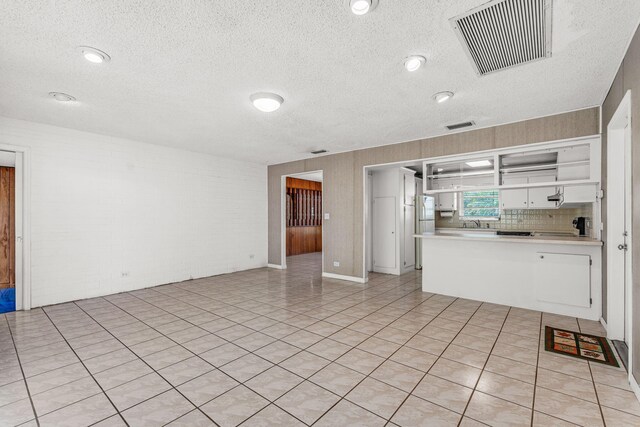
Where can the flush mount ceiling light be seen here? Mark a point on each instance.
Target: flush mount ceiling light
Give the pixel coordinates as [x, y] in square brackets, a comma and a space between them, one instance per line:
[441, 97]
[413, 63]
[361, 7]
[62, 97]
[94, 55]
[479, 163]
[266, 102]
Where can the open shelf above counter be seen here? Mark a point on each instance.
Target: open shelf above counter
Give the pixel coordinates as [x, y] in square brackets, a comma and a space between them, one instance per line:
[563, 163]
[535, 176]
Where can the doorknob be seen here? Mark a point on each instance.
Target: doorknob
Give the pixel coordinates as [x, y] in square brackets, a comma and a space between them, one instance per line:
[622, 247]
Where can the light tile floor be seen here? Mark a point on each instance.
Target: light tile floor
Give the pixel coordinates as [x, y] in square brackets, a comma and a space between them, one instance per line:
[285, 348]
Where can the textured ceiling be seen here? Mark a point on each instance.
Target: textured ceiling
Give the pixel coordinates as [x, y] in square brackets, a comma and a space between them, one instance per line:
[182, 71]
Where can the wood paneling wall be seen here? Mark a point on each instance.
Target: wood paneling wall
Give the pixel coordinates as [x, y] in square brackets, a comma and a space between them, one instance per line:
[627, 78]
[7, 228]
[304, 216]
[343, 178]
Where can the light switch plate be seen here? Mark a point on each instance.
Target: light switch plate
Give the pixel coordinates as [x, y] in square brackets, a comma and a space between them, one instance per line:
[326, 215]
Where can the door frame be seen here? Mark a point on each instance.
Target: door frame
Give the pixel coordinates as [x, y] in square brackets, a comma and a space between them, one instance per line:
[619, 295]
[23, 224]
[283, 215]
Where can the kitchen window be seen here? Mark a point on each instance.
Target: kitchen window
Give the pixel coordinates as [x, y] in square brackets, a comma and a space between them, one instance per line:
[483, 204]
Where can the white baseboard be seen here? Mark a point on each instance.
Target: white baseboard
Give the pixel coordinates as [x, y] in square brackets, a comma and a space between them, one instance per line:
[341, 277]
[276, 266]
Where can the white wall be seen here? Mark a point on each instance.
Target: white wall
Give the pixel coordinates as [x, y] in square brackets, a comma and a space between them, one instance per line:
[110, 215]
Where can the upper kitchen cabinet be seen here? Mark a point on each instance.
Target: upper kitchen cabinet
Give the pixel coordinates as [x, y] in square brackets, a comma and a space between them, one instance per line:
[545, 175]
[450, 177]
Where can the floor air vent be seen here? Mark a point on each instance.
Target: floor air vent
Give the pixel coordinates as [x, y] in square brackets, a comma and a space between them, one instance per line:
[505, 33]
[460, 125]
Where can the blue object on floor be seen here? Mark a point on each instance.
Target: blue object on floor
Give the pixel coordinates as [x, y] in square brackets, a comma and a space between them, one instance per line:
[7, 300]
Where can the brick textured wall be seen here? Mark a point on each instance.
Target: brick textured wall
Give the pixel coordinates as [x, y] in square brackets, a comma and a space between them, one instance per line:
[111, 215]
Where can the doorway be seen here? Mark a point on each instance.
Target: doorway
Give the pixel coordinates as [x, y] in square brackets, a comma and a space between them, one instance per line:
[619, 217]
[7, 233]
[15, 278]
[302, 235]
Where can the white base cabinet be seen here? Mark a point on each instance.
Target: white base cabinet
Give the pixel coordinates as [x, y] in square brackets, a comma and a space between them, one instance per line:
[563, 279]
[567, 281]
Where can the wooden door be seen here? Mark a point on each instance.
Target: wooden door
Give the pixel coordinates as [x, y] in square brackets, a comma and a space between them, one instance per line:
[7, 227]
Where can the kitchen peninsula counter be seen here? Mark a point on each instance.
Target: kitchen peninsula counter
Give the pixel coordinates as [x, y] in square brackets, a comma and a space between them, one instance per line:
[559, 274]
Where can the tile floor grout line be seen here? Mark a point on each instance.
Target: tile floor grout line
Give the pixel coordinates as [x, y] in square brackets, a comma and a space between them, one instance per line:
[335, 361]
[438, 358]
[388, 358]
[278, 364]
[24, 378]
[474, 389]
[154, 371]
[535, 379]
[89, 372]
[218, 368]
[374, 311]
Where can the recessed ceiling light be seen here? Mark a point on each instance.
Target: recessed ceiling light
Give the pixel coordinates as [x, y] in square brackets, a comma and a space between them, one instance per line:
[266, 102]
[62, 97]
[361, 7]
[413, 63]
[478, 163]
[441, 97]
[94, 55]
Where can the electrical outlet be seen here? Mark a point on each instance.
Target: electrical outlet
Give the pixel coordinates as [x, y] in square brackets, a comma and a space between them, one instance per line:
[326, 215]
[125, 274]
[336, 263]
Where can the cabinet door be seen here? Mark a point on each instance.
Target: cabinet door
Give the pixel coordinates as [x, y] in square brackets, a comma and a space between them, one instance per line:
[538, 196]
[384, 232]
[447, 201]
[563, 279]
[409, 243]
[409, 189]
[517, 198]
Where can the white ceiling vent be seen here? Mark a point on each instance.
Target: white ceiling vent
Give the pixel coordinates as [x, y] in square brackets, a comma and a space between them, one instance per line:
[505, 33]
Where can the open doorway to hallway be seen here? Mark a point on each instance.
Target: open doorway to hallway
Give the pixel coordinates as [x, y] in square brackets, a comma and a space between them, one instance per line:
[7, 232]
[303, 219]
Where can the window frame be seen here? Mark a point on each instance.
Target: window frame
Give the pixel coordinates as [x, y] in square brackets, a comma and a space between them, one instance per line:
[475, 217]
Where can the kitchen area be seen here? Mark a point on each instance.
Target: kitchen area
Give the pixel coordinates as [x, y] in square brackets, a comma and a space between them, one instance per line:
[518, 226]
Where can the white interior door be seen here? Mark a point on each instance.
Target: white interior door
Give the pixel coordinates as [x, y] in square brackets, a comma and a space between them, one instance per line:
[369, 223]
[384, 232]
[618, 199]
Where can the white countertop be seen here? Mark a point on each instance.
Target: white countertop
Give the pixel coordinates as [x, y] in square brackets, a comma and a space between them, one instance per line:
[491, 236]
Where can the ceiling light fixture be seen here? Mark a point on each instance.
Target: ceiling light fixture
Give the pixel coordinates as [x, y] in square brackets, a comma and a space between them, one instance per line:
[361, 7]
[413, 63]
[478, 163]
[441, 97]
[62, 97]
[94, 55]
[266, 102]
